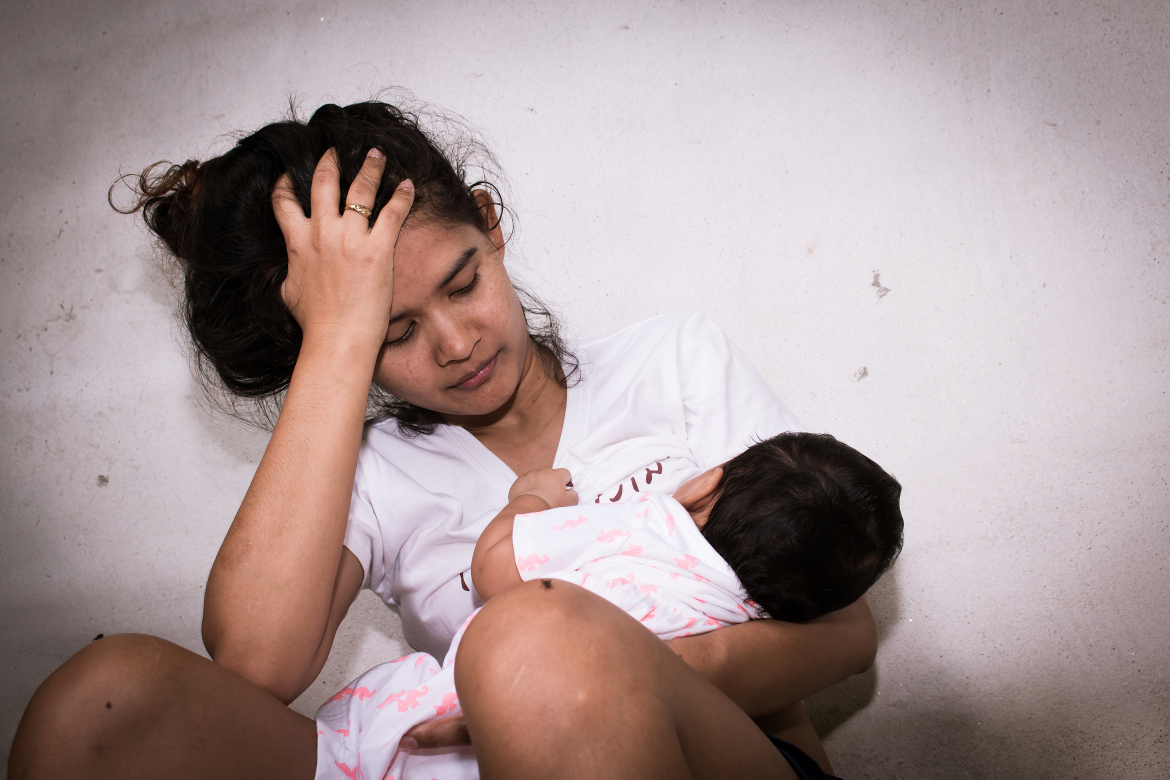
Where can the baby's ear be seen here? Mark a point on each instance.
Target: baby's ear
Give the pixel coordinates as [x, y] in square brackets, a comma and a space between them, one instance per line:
[697, 493]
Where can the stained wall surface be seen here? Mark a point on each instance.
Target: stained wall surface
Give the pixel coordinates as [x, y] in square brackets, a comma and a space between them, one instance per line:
[939, 229]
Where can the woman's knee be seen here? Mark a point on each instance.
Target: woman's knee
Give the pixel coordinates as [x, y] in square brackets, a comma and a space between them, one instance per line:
[561, 662]
[553, 638]
[541, 618]
[101, 691]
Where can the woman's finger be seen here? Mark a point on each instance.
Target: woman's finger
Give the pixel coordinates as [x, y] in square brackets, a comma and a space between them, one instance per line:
[393, 214]
[289, 214]
[295, 227]
[326, 190]
[445, 732]
[365, 185]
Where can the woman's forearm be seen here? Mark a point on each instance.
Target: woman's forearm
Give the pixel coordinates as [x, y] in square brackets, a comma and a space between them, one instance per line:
[279, 587]
[270, 589]
[766, 665]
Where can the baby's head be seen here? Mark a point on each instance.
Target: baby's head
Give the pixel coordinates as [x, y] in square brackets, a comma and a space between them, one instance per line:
[807, 523]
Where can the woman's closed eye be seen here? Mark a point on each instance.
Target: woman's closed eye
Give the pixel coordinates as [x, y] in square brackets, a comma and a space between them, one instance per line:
[467, 290]
[401, 339]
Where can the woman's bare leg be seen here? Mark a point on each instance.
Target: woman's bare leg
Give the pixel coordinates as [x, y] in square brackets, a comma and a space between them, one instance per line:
[556, 682]
[133, 706]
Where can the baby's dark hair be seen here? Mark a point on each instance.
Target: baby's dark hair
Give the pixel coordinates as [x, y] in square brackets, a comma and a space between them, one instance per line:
[807, 523]
[216, 219]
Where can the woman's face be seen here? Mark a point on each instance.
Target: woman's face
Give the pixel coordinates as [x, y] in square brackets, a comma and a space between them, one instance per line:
[457, 342]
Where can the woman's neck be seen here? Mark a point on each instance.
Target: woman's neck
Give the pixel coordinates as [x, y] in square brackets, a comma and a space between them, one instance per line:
[525, 431]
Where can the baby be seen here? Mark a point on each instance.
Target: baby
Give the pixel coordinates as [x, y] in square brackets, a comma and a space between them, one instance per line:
[794, 527]
[806, 523]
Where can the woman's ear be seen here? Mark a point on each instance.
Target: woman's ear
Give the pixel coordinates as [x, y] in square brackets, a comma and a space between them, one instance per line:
[489, 218]
[697, 494]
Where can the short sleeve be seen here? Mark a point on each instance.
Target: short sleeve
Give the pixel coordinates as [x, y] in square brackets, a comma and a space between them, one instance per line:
[416, 511]
[727, 405]
[362, 534]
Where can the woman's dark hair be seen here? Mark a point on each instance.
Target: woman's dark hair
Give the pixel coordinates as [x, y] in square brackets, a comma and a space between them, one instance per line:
[216, 219]
[807, 523]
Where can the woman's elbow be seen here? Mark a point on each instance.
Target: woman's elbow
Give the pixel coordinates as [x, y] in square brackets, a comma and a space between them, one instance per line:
[240, 657]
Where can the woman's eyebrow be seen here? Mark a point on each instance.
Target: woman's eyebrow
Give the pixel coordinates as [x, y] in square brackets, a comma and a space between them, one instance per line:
[460, 264]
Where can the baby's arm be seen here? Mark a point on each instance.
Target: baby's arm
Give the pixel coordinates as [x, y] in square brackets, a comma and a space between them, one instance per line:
[493, 564]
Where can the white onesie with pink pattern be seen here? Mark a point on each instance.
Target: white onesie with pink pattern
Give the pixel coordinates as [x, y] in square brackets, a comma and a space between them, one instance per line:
[645, 556]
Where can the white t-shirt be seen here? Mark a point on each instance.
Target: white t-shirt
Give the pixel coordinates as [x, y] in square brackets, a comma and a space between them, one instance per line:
[655, 404]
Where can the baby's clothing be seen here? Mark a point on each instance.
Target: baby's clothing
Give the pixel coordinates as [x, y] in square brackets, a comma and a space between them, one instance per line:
[655, 404]
[645, 556]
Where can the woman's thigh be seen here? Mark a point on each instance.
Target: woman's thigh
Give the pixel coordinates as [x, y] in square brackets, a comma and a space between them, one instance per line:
[131, 706]
[556, 682]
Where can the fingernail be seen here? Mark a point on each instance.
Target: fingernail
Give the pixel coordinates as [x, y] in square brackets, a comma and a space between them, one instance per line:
[408, 743]
[406, 185]
[375, 152]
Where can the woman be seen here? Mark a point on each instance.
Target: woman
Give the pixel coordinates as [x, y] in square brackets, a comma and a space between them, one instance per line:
[397, 278]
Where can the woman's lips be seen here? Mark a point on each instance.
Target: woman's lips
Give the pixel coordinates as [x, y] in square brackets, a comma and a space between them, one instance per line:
[479, 377]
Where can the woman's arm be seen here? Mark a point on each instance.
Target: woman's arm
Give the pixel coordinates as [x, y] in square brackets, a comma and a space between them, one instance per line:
[280, 584]
[766, 665]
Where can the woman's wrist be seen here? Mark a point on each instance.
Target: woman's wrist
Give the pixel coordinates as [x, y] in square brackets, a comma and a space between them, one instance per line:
[341, 356]
[344, 338]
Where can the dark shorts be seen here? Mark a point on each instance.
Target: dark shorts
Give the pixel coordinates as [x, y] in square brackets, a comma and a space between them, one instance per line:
[805, 767]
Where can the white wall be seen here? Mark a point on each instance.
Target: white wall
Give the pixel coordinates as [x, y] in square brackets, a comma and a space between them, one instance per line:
[1003, 166]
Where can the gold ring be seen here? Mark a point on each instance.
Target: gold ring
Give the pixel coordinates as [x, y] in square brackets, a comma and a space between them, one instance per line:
[359, 208]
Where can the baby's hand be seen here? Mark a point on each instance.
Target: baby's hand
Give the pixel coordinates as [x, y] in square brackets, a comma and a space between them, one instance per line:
[549, 485]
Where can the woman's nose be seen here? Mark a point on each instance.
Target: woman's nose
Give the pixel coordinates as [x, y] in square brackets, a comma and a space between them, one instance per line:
[455, 342]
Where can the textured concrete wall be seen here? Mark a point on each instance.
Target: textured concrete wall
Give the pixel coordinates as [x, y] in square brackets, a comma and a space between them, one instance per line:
[939, 228]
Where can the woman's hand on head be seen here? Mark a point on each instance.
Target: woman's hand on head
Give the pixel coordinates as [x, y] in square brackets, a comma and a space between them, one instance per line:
[553, 486]
[340, 268]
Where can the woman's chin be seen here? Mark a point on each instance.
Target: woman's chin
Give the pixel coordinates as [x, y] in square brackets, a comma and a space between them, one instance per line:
[480, 406]
[472, 411]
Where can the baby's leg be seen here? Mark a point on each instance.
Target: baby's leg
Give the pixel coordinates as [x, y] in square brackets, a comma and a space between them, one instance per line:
[133, 706]
[556, 682]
